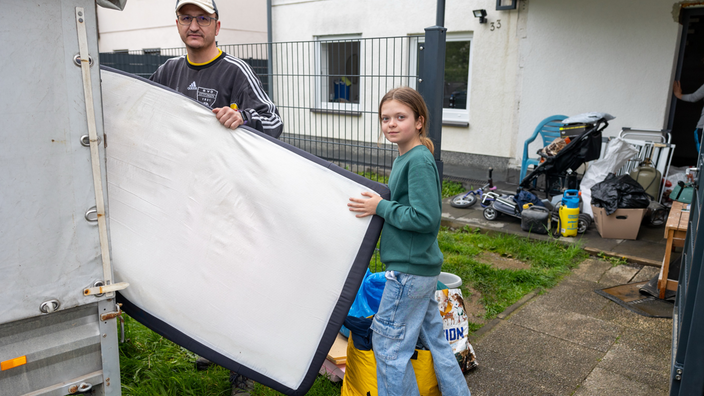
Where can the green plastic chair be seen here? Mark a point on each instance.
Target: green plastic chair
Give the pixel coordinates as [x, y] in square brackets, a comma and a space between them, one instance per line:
[549, 130]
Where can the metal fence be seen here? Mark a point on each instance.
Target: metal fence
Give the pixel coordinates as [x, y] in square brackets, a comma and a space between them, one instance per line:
[687, 361]
[327, 91]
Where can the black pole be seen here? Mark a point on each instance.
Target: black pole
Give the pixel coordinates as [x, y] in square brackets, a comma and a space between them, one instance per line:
[269, 46]
[432, 80]
[440, 13]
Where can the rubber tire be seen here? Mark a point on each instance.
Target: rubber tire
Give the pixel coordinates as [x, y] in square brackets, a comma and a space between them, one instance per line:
[583, 223]
[463, 203]
[490, 213]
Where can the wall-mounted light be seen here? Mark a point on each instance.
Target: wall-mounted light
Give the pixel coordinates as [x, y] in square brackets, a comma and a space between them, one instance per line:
[506, 4]
[481, 14]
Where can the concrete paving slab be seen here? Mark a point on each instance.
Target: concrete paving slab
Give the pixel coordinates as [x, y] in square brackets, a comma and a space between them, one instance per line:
[645, 274]
[592, 239]
[649, 249]
[620, 316]
[618, 275]
[640, 357]
[567, 325]
[652, 234]
[576, 295]
[517, 361]
[591, 269]
[604, 383]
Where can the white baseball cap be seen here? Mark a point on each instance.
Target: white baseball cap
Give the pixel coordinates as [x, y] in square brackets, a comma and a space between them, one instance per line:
[206, 5]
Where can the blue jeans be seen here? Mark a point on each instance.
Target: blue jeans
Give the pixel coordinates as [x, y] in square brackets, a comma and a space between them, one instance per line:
[408, 312]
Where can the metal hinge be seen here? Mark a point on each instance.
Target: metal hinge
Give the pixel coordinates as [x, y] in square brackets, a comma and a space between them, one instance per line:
[116, 314]
[679, 369]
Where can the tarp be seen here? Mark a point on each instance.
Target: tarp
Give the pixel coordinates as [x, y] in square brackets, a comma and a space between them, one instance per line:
[236, 246]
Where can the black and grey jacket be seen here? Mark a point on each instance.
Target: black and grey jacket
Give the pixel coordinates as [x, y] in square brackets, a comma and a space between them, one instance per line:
[225, 81]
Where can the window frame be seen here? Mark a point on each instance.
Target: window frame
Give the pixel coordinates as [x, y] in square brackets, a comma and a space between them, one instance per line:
[450, 116]
[321, 80]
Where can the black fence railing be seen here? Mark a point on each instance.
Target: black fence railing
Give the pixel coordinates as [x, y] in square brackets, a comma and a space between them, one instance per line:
[327, 91]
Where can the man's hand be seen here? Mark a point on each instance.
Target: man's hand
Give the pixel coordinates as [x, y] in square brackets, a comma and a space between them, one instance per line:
[367, 206]
[229, 117]
[677, 90]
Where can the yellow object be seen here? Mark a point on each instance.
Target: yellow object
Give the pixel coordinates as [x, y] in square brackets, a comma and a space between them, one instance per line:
[360, 373]
[569, 220]
[12, 363]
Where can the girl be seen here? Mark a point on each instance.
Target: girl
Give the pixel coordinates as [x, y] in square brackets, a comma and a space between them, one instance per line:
[409, 249]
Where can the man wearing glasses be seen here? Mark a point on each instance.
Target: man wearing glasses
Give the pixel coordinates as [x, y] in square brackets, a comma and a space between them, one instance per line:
[222, 82]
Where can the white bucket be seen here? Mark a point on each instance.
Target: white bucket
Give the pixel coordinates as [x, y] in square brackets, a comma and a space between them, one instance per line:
[452, 281]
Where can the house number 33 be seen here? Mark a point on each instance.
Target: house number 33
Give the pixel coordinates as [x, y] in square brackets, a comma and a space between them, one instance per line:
[497, 25]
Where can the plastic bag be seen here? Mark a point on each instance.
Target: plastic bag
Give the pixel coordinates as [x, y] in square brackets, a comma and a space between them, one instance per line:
[366, 303]
[674, 176]
[456, 326]
[617, 192]
[617, 152]
[553, 148]
[360, 373]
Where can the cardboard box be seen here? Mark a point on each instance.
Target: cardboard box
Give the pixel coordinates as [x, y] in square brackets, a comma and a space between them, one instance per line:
[622, 224]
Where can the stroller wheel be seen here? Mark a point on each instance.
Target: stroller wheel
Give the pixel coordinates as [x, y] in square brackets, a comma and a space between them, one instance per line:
[490, 213]
[463, 201]
[583, 223]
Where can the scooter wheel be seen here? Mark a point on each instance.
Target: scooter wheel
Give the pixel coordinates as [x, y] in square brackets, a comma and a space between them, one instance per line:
[463, 201]
[584, 222]
[490, 213]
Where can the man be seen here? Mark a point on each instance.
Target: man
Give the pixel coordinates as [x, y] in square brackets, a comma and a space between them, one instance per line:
[693, 97]
[222, 82]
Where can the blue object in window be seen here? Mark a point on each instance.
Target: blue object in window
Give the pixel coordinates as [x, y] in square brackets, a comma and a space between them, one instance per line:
[342, 91]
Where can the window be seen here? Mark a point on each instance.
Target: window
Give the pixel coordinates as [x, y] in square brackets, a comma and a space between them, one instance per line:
[458, 72]
[338, 68]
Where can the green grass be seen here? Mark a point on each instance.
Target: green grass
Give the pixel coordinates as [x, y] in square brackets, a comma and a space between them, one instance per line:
[549, 262]
[151, 365]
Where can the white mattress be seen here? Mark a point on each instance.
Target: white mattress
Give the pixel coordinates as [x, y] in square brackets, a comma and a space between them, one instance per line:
[236, 246]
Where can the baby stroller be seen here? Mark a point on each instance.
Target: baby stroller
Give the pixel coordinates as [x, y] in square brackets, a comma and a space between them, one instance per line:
[583, 133]
[580, 142]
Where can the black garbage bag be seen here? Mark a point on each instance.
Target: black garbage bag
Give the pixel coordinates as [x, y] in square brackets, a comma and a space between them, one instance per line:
[619, 192]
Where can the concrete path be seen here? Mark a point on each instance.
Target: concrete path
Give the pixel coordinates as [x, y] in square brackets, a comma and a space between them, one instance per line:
[571, 341]
[648, 248]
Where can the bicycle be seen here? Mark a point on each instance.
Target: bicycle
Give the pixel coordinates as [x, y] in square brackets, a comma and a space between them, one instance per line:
[469, 198]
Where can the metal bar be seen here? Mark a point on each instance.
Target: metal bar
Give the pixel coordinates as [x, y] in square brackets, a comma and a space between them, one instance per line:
[94, 153]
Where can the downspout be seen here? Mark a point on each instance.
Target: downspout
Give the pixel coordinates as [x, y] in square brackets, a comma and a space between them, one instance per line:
[432, 80]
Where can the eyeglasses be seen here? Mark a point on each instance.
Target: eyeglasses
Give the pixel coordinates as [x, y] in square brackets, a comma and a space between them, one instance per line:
[202, 20]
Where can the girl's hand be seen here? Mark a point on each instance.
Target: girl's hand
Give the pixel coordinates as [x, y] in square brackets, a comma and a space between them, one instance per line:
[366, 206]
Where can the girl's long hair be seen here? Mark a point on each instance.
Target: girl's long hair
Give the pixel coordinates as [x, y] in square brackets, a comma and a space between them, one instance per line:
[411, 98]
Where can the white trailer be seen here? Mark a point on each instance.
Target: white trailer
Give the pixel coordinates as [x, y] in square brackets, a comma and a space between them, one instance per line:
[58, 332]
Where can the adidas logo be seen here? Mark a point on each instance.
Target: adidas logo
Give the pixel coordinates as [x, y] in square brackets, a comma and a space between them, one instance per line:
[192, 87]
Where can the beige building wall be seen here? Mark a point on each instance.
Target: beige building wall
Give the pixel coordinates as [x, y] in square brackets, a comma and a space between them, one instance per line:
[152, 24]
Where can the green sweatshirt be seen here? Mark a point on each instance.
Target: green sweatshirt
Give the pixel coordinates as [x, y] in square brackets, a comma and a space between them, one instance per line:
[409, 241]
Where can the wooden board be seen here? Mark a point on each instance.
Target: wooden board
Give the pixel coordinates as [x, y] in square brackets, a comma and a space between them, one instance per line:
[338, 352]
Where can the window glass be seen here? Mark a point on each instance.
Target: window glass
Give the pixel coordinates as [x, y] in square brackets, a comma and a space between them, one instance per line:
[456, 74]
[340, 69]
